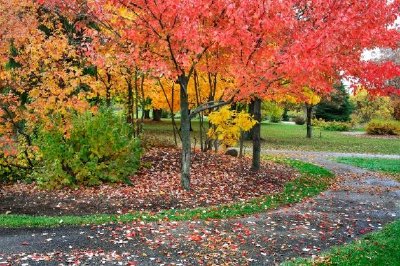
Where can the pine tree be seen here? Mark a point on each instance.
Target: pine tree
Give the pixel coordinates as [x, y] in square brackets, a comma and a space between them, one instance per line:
[337, 107]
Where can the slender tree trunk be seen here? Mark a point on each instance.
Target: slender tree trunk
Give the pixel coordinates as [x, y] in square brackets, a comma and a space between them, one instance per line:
[129, 117]
[146, 114]
[142, 103]
[197, 90]
[108, 90]
[185, 132]
[256, 135]
[309, 125]
[157, 115]
[249, 134]
[108, 97]
[241, 144]
[212, 82]
[190, 121]
[174, 126]
[171, 110]
[137, 131]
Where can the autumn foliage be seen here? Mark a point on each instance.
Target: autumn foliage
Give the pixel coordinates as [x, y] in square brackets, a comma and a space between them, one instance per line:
[61, 58]
[229, 125]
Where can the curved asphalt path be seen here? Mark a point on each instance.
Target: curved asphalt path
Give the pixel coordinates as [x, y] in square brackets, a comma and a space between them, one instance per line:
[361, 202]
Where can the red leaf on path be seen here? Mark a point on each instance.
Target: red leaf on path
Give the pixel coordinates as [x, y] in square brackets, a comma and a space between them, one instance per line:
[131, 234]
[195, 238]
[25, 243]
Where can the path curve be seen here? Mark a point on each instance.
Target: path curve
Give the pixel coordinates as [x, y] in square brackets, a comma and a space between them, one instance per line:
[362, 202]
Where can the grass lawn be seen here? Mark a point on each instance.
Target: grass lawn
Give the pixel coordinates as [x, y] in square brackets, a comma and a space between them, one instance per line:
[389, 166]
[378, 248]
[312, 181]
[292, 137]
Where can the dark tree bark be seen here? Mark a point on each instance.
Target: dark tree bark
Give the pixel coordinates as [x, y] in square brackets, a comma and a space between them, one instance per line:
[130, 105]
[309, 109]
[108, 90]
[196, 89]
[256, 103]
[190, 122]
[137, 129]
[146, 114]
[185, 132]
[241, 144]
[249, 135]
[157, 114]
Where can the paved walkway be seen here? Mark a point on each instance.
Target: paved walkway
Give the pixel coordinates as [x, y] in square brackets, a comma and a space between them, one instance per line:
[360, 203]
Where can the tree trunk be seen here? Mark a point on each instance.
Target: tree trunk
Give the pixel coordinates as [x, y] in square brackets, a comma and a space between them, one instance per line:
[185, 132]
[208, 142]
[249, 134]
[108, 96]
[190, 122]
[256, 134]
[157, 115]
[108, 90]
[309, 125]
[197, 90]
[129, 117]
[137, 130]
[146, 114]
[241, 144]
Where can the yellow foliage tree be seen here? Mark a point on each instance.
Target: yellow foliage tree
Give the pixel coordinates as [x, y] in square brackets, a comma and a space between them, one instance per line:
[229, 125]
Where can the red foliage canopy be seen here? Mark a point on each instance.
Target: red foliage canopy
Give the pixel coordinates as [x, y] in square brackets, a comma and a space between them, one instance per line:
[268, 43]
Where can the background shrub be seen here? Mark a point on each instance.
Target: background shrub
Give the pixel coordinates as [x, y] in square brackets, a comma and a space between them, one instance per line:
[368, 108]
[98, 149]
[17, 158]
[332, 125]
[379, 127]
[299, 120]
[273, 111]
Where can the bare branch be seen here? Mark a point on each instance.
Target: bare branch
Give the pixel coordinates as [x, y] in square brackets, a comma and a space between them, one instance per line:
[209, 105]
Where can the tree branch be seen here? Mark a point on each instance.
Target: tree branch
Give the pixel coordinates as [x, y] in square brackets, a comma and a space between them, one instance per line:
[209, 105]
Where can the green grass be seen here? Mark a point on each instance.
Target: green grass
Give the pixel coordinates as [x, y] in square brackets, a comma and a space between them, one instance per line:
[378, 248]
[313, 180]
[292, 137]
[386, 166]
[391, 166]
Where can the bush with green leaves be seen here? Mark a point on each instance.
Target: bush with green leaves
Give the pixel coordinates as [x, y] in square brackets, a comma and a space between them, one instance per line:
[381, 127]
[299, 120]
[273, 111]
[368, 108]
[332, 125]
[98, 149]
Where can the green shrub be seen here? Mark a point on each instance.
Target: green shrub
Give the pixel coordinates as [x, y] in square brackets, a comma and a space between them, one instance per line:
[299, 120]
[273, 111]
[99, 149]
[368, 108]
[332, 125]
[379, 127]
[17, 158]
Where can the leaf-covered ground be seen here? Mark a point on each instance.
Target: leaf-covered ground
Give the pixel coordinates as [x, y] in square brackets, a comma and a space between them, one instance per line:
[360, 203]
[216, 179]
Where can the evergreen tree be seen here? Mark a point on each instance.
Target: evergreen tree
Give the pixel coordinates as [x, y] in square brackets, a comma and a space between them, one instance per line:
[337, 107]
